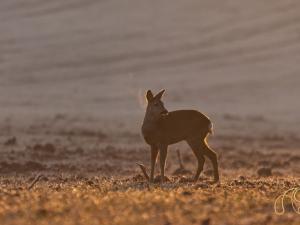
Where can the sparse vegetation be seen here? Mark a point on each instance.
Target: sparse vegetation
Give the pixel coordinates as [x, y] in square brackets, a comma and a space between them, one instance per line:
[79, 180]
[101, 200]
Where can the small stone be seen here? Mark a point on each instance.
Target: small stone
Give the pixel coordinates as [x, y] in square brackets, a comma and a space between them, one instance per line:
[206, 221]
[242, 178]
[202, 185]
[264, 172]
[186, 193]
[11, 141]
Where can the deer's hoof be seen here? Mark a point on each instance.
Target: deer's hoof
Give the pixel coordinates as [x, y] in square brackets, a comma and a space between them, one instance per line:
[158, 179]
[217, 183]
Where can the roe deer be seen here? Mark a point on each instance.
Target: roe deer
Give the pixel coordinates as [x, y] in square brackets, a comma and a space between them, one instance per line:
[162, 128]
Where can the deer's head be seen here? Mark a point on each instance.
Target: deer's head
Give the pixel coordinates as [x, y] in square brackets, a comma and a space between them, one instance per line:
[155, 107]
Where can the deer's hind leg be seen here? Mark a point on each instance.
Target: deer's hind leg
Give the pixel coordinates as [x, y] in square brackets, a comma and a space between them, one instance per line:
[196, 145]
[212, 155]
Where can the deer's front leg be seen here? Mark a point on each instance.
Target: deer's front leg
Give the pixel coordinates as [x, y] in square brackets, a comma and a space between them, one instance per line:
[154, 152]
[163, 150]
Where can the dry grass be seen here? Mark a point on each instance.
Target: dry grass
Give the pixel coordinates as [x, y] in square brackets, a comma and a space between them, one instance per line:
[84, 179]
[100, 200]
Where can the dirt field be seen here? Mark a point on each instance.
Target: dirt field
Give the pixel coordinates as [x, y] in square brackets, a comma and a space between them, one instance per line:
[72, 79]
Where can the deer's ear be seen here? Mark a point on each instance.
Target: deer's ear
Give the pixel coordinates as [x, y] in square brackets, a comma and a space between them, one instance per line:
[149, 96]
[160, 94]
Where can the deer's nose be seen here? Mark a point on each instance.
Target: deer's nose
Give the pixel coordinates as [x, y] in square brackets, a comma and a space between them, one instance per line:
[164, 112]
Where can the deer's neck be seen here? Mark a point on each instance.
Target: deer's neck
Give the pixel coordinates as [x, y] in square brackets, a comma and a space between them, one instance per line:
[150, 124]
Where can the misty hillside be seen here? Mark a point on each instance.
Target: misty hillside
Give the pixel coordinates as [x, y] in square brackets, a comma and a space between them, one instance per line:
[98, 57]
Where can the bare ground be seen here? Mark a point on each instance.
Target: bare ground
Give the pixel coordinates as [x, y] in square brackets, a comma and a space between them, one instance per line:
[90, 176]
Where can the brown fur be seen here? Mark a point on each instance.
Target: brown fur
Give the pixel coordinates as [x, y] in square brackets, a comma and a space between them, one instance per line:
[162, 128]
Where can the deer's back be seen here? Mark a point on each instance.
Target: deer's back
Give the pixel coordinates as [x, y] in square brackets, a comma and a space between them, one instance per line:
[182, 125]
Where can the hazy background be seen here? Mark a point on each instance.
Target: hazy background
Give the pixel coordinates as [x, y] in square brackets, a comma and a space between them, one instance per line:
[73, 74]
[232, 59]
